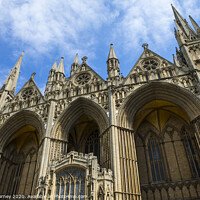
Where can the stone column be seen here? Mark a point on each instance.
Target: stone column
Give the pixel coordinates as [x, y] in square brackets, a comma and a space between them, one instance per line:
[46, 142]
[114, 144]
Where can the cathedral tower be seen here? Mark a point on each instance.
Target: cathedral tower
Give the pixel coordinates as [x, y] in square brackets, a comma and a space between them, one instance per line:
[189, 43]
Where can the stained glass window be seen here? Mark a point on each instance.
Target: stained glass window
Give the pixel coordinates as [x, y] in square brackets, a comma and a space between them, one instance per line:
[155, 160]
[192, 154]
[70, 184]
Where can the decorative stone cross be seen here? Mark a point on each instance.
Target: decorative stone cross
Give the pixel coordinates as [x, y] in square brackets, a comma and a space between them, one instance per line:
[32, 75]
[84, 59]
[145, 46]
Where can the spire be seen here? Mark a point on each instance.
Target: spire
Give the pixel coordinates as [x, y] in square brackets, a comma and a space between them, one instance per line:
[54, 67]
[195, 25]
[76, 62]
[74, 65]
[11, 82]
[182, 23]
[61, 66]
[112, 52]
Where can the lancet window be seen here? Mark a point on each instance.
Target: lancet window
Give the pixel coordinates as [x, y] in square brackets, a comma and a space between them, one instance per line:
[155, 160]
[70, 184]
[92, 143]
[191, 153]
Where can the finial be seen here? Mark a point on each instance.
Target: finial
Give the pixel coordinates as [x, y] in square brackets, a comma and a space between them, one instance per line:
[32, 75]
[112, 52]
[84, 59]
[145, 46]
[76, 59]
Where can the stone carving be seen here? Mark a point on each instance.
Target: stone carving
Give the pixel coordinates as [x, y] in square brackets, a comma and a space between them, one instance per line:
[84, 78]
[150, 64]
[27, 94]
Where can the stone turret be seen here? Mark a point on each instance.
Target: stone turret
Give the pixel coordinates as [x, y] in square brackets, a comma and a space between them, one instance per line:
[60, 74]
[189, 44]
[51, 77]
[113, 65]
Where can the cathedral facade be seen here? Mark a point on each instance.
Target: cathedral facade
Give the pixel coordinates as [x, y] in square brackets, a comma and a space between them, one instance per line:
[124, 138]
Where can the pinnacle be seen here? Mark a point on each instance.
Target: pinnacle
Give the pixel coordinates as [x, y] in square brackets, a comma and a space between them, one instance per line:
[194, 24]
[61, 66]
[112, 52]
[54, 67]
[76, 60]
[181, 23]
[10, 84]
[177, 15]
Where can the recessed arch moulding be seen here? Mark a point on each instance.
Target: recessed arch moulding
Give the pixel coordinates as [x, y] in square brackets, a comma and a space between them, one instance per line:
[18, 121]
[182, 98]
[87, 110]
[20, 148]
[73, 112]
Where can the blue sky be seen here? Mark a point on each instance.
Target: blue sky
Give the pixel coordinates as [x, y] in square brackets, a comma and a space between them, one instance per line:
[49, 29]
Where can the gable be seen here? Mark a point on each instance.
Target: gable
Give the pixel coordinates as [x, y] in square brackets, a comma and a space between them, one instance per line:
[84, 75]
[29, 91]
[149, 63]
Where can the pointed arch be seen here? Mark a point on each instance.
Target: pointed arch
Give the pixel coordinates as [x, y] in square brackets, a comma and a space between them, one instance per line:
[157, 91]
[16, 122]
[78, 108]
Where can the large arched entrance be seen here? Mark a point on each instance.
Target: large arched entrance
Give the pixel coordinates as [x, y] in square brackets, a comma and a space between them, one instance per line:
[167, 152]
[82, 128]
[157, 137]
[161, 91]
[19, 166]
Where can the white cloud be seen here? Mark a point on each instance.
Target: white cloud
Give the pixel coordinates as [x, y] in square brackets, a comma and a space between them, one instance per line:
[42, 25]
[73, 26]
[145, 21]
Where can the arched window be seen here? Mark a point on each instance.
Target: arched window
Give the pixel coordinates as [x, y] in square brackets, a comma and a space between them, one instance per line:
[191, 153]
[147, 78]
[158, 74]
[70, 184]
[67, 93]
[155, 160]
[98, 87]
[92, 143]
[77, 91]
[87, 89]
[135, 79]
[101, 194]
[170, 73]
